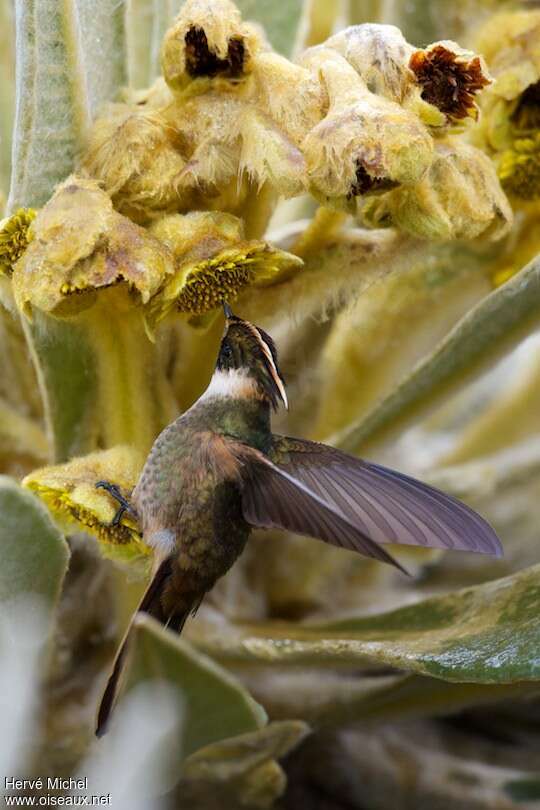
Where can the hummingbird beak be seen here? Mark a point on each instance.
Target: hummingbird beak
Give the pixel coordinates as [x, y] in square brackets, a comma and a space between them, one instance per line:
[227, 310]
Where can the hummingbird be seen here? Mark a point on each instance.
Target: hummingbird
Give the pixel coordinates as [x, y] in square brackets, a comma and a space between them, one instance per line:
[219, 471]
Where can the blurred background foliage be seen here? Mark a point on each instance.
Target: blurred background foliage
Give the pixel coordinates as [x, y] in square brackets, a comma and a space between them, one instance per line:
[310, 677]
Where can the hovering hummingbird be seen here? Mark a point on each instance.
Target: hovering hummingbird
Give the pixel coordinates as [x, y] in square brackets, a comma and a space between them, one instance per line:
[218, 472]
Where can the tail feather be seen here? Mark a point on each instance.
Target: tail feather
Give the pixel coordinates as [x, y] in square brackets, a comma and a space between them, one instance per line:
[151, 604]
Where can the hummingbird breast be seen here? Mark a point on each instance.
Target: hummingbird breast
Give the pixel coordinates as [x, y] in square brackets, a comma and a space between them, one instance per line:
[189, 501]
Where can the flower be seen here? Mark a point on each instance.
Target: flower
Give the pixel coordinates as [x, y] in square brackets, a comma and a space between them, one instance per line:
[450, 78]
[511, 107]
[214, 264]
[69, 490]
[208, 43]
[81, 245]
[365, 143]
[459, 198]
[15, 236]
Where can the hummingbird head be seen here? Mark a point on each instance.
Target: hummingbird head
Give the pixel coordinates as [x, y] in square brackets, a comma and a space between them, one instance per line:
[247, 362]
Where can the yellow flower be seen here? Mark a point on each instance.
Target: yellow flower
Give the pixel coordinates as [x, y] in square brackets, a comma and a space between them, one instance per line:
[69, 491]
[459, 198]
[15, 235]
[511, 107]
[214, 264]
[81, 245]
[208, 43]
[365, 143]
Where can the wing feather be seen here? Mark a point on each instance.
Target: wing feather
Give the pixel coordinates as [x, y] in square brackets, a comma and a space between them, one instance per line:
[386, 506]
[274, 498]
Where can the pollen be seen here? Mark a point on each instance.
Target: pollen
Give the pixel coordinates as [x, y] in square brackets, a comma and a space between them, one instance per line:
[207, 287]
[15, 236]
[519, 168]
[448, 80]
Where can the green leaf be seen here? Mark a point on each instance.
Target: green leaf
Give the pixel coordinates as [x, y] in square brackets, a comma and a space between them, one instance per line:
[216, 706]
[146, 24]
[7, 92]
[70, 58]
[243, 768]
[68, 380]
[489, 633]
[489, 331]
[33, 552]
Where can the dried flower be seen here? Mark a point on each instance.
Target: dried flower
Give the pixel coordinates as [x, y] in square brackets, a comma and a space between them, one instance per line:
[450, 78]
[69, 490]
[15, 235]
[208, 42]
[81, 245]
[459, 198]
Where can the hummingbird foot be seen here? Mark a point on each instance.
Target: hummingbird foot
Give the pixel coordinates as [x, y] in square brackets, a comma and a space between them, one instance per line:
[125, 505]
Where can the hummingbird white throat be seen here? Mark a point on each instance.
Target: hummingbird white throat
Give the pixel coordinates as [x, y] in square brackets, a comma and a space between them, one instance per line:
[218, 472]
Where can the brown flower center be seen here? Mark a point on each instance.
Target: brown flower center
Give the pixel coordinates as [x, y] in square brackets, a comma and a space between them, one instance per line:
[527, 113]
[365, 182]
[202, 61]
[448, 82]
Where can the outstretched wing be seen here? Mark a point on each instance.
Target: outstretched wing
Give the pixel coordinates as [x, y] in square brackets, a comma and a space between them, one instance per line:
[272, 498]
[386, 506]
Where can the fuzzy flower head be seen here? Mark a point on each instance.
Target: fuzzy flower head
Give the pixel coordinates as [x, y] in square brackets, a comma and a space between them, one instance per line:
[81, 245]
[511, 108]
[365, 143]
[15, 236]
[214, 264]
[69, 491]
[450, 78]
[460, 197]
[208, 43]
[138, 157]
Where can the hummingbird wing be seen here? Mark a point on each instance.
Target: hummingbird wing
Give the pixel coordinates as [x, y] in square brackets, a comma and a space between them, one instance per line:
[386, 506]
[273, 498]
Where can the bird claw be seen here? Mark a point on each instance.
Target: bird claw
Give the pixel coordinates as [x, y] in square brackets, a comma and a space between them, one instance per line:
[125, 505]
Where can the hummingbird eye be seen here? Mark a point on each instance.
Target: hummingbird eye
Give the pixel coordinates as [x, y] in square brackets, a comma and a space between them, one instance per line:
[226, 351]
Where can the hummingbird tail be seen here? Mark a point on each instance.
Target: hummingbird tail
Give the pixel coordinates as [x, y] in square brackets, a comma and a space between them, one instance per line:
[150, 604]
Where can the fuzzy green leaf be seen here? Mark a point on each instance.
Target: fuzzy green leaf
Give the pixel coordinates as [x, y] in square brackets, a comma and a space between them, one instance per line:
[489, 331]
[489, 633]
[7, 92]
[33, 552]
[70, 58]
[216, 706]
[243, 769]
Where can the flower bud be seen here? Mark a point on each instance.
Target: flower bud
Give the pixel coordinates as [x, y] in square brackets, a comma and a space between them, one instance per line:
[365, 143]
[268, 155]
[208, 41]
[459, 198]
[380, 55]
[81, 245]
[137, 156]
[290, 94]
